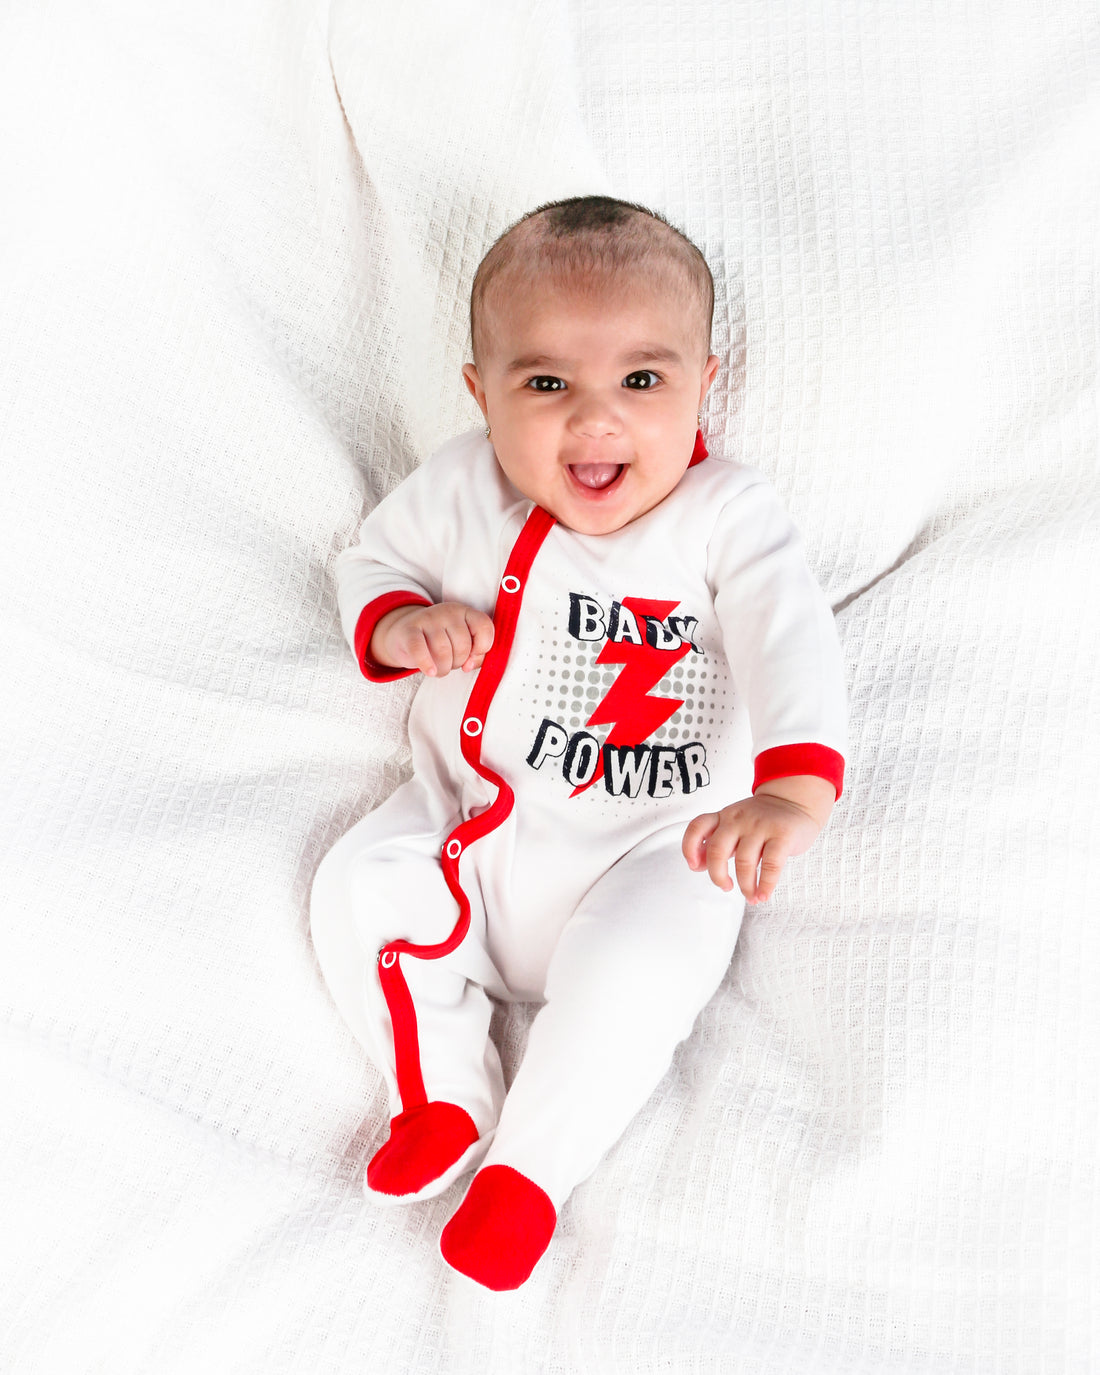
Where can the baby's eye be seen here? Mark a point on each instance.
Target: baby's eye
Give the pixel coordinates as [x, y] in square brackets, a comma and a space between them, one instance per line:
[644, 383]
[546, 383]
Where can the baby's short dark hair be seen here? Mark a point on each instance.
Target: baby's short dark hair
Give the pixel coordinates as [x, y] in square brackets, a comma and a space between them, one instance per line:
[591, 239]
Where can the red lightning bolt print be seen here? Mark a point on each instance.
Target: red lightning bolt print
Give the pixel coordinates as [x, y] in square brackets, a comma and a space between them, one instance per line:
[627, 704]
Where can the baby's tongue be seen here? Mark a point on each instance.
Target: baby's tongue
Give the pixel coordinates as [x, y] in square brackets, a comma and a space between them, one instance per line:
[595, 474]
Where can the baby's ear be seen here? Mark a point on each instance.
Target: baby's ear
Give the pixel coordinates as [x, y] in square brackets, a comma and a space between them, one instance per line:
[473, 383]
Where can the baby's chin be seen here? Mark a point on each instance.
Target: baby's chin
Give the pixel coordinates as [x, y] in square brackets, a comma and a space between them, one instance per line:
[590, 526]
[599, 520]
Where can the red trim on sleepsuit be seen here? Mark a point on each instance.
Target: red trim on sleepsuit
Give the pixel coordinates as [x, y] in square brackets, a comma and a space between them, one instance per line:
[369, 617]
[700, 450]
[410, 1080]
[786, 761]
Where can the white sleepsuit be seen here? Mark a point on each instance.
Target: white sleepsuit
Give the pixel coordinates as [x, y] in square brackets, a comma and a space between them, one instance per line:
[633, 679]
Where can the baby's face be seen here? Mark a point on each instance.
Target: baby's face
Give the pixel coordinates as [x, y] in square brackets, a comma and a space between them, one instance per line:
[593, 400]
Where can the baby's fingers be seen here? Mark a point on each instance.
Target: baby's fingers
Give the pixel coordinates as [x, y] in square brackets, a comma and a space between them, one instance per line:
[416, 652]
[746, 861]
[441, 650]
[719, 848]
[695, 839]
[770, 858]
[481, 632]
[772, 861]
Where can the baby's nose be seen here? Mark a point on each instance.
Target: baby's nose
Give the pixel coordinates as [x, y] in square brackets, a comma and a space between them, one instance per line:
[595, 419]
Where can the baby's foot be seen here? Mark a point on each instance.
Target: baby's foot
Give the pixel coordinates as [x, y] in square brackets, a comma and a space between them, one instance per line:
[424, 1143]
[501, 1228]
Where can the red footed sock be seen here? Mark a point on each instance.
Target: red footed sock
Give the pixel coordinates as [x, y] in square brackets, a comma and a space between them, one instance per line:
[501, 1228]
[423, 1142]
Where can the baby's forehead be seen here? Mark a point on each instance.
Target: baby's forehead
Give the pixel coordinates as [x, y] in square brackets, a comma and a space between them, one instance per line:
[648, 264]
[527, 282]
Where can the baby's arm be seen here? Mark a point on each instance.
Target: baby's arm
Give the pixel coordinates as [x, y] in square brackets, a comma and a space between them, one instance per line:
[433, 639]
[783, 817]
[781, 642]
[429, 523]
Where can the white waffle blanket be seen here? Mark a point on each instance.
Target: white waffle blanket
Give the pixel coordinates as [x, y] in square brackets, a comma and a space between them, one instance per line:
[236, 244]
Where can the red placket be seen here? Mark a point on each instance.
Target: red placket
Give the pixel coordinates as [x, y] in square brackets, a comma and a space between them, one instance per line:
[410, 1080]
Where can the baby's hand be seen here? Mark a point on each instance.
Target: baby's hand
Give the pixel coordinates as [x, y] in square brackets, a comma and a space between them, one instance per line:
[433, 639]
[760, 831]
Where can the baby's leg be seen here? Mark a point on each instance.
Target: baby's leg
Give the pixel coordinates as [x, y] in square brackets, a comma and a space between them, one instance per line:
[643, 954]
[380, 882]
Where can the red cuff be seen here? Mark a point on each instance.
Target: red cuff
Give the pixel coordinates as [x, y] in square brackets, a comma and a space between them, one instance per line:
[787, 761]
[369, 617]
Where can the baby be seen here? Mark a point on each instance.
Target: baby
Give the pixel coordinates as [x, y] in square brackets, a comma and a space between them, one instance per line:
[614, 635]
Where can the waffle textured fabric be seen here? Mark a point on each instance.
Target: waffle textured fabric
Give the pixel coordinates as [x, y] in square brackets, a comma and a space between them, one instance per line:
[236, 247]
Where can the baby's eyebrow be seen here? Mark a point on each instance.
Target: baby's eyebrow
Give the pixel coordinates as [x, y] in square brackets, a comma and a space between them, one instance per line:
[655, 353]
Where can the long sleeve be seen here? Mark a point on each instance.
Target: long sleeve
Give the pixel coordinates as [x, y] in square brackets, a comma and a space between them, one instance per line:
[397, 561]
[780, 639]
[437, 537]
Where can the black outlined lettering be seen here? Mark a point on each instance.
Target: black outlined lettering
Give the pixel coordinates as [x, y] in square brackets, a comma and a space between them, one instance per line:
[692, 760]
[663, 773]
[581, 759]
[625, 768]
[550, 743]
[683, 627]
[658, 635]
[586, 617]
[622, 625]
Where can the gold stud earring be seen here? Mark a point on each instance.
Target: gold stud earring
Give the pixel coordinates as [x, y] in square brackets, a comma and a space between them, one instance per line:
[488, 431]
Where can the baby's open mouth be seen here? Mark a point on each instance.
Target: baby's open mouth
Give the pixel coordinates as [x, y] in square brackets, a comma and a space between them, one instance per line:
[595, 475]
